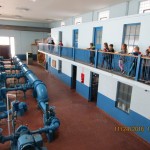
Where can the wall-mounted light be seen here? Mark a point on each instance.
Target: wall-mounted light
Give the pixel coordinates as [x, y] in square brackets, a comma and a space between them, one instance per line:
[22, 9]
[17, 16]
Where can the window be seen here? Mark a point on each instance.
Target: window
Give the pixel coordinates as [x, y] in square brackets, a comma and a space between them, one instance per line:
[131, 36]
[144, 7]
[78, 20]
[62, 23]
[103, 15]
[60, 66]
[124, 97]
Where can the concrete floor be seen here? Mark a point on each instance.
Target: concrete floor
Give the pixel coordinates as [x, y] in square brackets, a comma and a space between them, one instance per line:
[83, 125]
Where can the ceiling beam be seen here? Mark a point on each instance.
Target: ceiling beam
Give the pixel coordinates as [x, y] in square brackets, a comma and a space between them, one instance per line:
[25, 28]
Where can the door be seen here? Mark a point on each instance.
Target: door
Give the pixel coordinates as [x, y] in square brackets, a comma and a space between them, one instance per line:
[75, 38]
[98, 37]
[94, 87]
[74, 77]
[60, 36]
[5, 51]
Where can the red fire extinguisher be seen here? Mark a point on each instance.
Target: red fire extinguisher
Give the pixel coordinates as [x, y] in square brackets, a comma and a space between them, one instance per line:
[82, 77]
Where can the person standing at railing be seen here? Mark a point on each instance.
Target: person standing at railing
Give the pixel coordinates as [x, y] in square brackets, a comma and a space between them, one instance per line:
[146, 66]
[105, 56]
[111, 56]
[50, 39]
[60, 43]
[92, 53]
[122, 58]
[134, 63]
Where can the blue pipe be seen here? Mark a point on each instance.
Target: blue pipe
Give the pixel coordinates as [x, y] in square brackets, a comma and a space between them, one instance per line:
[40, 90]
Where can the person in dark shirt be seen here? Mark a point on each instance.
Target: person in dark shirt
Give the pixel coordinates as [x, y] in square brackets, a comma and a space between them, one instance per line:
[111, 56]
[60, 43]
[92, 53]
[136, 52]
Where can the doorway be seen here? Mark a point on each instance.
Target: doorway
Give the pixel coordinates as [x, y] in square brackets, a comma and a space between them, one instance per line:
[98, 37]
[75, 38]
[94, 87]
[74, 77]
[7, 47]
[60, 36]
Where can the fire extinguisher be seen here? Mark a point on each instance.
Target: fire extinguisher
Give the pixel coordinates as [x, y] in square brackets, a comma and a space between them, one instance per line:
[82, 77]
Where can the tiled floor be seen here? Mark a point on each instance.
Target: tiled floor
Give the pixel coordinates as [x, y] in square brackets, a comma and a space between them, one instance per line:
[83, 125]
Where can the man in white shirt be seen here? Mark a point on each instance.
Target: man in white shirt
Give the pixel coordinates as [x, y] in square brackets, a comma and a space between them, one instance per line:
[49, 39]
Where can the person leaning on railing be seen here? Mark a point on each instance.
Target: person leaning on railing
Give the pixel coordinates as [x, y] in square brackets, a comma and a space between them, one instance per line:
[110, 56]
[105, 56]
[92, 53]
[60, 43]
[122, 58]
[146, 66]
[135, 52]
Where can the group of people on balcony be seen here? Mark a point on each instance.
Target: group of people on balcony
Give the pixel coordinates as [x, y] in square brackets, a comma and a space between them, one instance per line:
[50, 40]
[107, 58]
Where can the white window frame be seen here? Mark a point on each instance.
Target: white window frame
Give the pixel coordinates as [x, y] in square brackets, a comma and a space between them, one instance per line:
[146, 9]
[78, 20]
[123, 100]
[62, 23]
[104, 15]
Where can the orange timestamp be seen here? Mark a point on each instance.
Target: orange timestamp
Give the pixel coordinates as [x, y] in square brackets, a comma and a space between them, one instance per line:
[131, 129]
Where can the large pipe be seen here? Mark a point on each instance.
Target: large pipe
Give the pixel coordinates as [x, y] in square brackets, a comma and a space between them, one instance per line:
[40, 89]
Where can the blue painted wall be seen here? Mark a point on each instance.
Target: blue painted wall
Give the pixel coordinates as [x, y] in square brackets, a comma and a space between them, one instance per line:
[131, 119]
[23, 56]
[66, 79]
[82, 89]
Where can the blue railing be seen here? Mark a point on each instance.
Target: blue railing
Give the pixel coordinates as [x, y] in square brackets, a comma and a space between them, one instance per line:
[134, 67]
[82, 55]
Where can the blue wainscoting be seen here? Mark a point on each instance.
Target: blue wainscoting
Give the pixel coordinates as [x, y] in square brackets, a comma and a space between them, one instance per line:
[82, 89]
[63, 77]
[23, 56]
[131, 119]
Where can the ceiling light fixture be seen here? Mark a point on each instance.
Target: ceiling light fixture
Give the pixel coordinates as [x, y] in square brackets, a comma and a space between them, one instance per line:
[49, 19]
[18, 17]
[22, 8]
[33, 0]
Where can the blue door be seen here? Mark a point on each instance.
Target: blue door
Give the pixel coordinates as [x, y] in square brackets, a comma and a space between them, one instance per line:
[75, 38]
[98, 37]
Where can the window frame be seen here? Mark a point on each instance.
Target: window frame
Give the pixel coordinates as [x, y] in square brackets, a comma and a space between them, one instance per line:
[62, 23]
[143, 12]
[78, 22]
[131, 35]
[104, 17]
[125, 102]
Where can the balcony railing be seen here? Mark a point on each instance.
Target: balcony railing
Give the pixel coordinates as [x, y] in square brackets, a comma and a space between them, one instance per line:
[134, 67]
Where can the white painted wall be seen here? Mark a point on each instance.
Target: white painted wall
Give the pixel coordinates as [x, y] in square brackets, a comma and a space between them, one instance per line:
[112, 31]
[23, 39]
[130, 7]
[86, 72]
[108, 85]
[66, 68]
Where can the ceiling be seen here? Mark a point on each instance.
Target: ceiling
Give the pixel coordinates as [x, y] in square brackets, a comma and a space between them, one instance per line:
[49, 10]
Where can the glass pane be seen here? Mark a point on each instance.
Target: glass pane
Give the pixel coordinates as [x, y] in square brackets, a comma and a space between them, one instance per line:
[133, 30]
[137, 29]
[130, 49]
[127, 30]
[126, 40]
[136, 40]
[131, 41]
